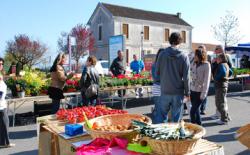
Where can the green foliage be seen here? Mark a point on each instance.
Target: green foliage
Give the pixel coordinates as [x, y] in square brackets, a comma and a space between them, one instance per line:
[239, 71]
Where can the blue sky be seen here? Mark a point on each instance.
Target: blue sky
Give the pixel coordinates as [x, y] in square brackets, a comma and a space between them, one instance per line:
[46, 19]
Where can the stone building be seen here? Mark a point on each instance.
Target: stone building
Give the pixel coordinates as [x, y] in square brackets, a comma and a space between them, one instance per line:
[145, 31]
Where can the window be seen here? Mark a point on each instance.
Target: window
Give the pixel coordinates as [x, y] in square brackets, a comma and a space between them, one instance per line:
[183, 35]
[125, 30]
[127, 56]
[100, 32]
[166, 35]
[146, 32]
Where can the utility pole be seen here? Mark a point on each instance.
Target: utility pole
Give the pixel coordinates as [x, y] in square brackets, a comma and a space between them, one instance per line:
[69, 51]
[141, 44]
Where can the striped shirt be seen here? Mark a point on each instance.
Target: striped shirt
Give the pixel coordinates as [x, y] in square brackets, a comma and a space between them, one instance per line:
[156, 90]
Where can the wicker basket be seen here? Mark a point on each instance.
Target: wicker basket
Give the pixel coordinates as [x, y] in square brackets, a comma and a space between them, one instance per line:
[116, 119]
[176, 147]
[243, 135]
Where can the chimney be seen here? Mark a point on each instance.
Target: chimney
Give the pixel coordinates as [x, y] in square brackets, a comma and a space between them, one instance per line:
[178, 14]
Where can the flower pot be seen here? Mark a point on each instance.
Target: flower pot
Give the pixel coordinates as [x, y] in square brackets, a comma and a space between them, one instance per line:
[21, 94]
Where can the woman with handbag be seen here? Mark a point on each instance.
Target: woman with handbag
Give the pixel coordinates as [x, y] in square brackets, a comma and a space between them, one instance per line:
[89, 82]
[58, 79]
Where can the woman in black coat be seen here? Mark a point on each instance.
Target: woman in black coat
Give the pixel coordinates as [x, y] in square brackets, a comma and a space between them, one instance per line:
[89, 76]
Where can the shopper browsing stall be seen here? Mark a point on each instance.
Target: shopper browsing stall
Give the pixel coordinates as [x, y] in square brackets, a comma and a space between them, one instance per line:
[89, 79]
[173, 67]
[58, 79]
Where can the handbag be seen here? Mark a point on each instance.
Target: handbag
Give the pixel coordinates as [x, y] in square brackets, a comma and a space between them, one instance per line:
[92, 90]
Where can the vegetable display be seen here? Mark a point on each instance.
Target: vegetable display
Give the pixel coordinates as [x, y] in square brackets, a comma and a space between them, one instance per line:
[164, 132]
[76, 115]
[115, 128]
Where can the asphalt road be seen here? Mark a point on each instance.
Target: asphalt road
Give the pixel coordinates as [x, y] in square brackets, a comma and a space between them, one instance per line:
[25, 137]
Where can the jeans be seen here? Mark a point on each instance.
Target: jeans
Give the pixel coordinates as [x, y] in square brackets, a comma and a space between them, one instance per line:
[89, 101]
[156, 101]
[167, 102]
[55, 106]
[4, 126]
[195, 109]
[204, 105]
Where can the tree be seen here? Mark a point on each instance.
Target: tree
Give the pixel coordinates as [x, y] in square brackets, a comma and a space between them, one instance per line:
[227, 30]
[26, 51]
[62, 42]
[84, 42]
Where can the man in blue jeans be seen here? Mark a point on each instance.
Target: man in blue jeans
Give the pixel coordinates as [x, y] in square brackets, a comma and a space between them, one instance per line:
[173, 67]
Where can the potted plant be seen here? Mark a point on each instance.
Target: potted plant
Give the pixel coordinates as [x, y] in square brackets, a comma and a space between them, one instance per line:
[11, 84]
[20, 87]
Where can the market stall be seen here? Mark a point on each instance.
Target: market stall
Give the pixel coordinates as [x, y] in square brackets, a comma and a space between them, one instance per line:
[118, 132]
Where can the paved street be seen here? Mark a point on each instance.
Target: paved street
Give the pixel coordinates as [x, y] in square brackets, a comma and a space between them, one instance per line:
[25, 137]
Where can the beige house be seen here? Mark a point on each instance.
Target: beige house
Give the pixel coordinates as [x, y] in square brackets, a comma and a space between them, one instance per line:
[145, 31]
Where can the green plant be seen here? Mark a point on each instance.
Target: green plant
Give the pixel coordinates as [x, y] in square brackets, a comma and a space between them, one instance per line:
[20, 85]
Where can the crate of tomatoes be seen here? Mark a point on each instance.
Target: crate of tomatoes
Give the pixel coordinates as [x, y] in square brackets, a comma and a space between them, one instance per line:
[76, 115]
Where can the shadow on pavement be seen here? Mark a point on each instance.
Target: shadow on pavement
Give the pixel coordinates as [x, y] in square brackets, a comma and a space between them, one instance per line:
[209, 124]
[230, 130]
[32, 152]
[208, 118]
[221, 138]
[246, 152]
[22, 134]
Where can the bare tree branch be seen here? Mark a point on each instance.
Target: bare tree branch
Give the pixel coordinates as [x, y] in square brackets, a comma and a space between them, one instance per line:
[227, 30]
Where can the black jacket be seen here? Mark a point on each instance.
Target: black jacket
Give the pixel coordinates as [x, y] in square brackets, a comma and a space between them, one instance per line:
[117, 67]
[89, 74]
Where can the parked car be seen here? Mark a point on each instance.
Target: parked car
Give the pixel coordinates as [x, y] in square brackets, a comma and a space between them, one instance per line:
[105, 66]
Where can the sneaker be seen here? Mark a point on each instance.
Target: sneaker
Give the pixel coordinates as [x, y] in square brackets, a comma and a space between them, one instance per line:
[6, 146]
[220, 122]
[11, 145]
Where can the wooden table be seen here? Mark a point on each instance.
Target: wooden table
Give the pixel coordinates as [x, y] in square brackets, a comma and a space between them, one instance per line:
[52, 144]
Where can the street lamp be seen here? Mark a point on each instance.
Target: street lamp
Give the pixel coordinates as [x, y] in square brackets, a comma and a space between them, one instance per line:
[141, 52]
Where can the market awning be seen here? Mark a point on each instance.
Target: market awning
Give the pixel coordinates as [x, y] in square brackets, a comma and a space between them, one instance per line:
[238, 48]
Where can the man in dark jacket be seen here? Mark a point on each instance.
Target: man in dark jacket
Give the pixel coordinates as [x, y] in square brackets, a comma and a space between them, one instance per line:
[173, 67]
[117, 68]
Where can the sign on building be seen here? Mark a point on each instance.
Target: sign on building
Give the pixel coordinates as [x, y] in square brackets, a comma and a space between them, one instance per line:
[115, 43]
